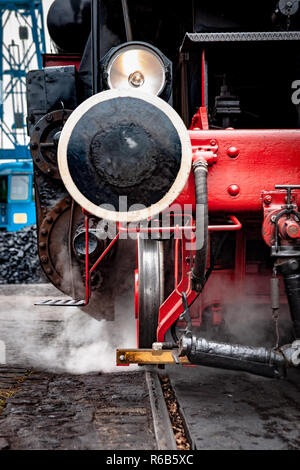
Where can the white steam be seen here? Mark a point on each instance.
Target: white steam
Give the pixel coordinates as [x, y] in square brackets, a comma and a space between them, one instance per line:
[65, 339]
[87, 345]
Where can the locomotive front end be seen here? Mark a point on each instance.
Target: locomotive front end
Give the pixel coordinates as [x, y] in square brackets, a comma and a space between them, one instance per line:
[189, 156]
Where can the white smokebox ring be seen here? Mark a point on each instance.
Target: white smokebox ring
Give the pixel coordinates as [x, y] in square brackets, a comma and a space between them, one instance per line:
[131, 216]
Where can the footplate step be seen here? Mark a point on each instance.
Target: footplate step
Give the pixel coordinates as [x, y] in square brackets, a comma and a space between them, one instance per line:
[61, 303]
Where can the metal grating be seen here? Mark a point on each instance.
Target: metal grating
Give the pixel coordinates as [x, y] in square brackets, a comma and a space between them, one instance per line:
[61, 303]
[192, 39]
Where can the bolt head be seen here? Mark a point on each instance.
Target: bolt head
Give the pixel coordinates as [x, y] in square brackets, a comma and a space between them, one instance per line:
[293, 230]
[234, 190]
[294, 265]
[233, 152]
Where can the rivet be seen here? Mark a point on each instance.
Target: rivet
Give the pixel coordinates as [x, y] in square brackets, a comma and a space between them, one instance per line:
[213, 142]
[49, 219]
[44, 232]
[233, 152]
[42, 245]
[49, 271]
[268, 199]
[233, 190]
[44, 259]
[57, 210]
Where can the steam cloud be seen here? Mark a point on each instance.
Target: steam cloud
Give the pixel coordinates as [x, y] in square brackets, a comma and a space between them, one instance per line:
[70, 341]
[87, 345]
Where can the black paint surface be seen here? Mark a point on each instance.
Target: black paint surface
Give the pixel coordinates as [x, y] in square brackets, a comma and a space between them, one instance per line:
[124, 147]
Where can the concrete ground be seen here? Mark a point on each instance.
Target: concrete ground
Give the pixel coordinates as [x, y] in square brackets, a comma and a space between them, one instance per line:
[238, 411]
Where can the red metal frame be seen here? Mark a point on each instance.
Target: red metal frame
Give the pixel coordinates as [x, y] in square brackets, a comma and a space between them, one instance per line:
[172, 308]
[247, 163]
[177, 229]
[245, 172]
[88, 270]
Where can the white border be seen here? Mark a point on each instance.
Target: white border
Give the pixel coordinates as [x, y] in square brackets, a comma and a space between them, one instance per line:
[134, 216]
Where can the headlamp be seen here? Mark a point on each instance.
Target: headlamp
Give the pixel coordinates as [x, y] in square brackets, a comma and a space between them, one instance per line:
[139, 66]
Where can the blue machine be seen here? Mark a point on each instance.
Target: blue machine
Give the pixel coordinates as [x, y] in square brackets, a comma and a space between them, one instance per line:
[21, 49]
[16, 195]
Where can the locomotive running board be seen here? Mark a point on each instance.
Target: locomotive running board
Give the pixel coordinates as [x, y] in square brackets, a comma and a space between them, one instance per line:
[148, 357]
[61, 303]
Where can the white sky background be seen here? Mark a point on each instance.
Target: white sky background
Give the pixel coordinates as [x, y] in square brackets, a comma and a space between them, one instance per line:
[46, 6]
[11, 33]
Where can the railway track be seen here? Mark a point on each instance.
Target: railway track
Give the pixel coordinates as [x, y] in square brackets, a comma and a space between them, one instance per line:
[122, 411]
[127, 411]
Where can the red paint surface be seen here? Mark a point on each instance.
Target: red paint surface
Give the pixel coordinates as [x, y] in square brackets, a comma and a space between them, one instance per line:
[266, 158]
[59, 60]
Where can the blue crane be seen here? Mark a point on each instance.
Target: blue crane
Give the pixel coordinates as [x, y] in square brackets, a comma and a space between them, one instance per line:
[22, 43]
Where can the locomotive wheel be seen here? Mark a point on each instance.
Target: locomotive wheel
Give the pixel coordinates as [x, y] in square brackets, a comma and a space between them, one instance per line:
[44, 141]
[151, 289]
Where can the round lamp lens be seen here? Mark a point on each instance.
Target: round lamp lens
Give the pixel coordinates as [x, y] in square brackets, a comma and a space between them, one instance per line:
[136, 66]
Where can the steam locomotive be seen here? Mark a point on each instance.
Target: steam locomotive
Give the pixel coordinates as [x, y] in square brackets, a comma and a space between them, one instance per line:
[174, 124]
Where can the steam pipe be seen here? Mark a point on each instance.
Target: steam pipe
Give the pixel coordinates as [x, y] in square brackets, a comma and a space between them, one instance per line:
[199, 269]
[255, 360]
[127, 22]
[290, 271]
[95, 6]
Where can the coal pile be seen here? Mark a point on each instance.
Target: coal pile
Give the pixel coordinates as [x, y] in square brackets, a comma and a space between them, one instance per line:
[19, 263]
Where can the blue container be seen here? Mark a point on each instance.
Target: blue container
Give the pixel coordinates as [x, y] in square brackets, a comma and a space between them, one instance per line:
[17, 206]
